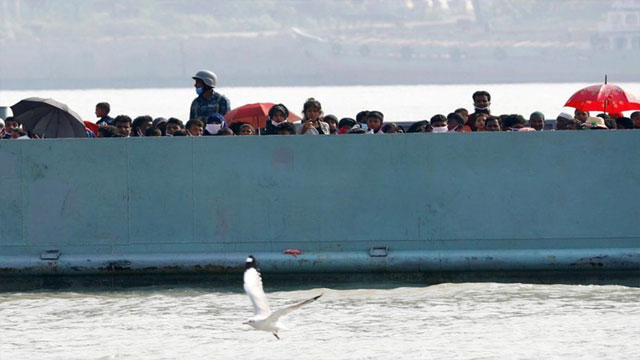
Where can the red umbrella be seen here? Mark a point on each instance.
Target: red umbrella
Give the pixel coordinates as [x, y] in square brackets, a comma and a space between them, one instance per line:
[254, 114]
[604, 97]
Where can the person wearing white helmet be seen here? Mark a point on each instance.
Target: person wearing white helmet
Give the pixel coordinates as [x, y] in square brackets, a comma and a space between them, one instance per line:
[208, 101]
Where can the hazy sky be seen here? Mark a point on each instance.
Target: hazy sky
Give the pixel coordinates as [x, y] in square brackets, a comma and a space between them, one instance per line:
[142, 43]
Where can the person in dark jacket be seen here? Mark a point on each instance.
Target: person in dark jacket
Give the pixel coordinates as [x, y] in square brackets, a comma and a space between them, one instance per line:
[278, 114]
[208, 101]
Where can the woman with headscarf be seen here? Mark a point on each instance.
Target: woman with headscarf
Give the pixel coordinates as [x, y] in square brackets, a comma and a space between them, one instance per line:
[278, 114]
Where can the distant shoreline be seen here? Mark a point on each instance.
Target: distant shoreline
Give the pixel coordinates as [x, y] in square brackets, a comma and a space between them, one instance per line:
[78, 84]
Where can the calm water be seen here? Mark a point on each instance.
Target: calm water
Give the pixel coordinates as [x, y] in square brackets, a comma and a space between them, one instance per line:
[398, 103]
[447, 321]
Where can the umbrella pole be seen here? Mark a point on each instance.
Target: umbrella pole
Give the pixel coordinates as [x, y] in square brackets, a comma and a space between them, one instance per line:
[605, 100]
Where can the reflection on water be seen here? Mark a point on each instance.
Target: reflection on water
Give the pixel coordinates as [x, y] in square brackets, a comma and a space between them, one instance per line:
[442, 321]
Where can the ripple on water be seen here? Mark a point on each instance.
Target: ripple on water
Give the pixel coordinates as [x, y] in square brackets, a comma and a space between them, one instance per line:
[442, 321]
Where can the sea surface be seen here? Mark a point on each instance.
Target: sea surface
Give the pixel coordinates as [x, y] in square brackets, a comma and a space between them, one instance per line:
[446, 321]
[398, 103]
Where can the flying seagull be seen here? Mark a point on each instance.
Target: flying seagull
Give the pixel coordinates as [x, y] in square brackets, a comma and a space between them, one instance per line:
[264, 319]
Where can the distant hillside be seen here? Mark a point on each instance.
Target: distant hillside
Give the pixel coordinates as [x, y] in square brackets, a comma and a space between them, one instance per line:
[142, 43]
[45, 19]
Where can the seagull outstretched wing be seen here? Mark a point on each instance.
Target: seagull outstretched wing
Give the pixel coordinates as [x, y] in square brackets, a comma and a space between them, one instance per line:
[253, 287]
[282, 312]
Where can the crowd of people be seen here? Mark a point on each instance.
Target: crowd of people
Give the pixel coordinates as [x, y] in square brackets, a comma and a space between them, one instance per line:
[209, 107]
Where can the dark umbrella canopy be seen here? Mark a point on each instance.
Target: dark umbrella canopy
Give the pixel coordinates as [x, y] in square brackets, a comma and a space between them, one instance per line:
[48, 118]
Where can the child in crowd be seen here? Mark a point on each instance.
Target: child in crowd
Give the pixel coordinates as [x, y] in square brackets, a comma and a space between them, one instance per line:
[286, 128]
[246, 129]
[361, 118]
[374, 122]
[194, 127]
[390, 128]
[102, 113]
[332, 121]
[477, 121]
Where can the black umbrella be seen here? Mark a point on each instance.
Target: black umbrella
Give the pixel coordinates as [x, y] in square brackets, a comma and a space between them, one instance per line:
[48, 118]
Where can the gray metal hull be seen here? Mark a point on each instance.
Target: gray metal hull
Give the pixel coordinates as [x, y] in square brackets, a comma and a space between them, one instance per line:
[481, 206]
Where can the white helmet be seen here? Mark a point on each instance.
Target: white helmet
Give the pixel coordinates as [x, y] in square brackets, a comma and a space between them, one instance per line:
[209, 78]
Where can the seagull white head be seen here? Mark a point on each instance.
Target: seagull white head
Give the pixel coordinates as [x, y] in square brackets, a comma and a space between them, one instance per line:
[250, 262]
